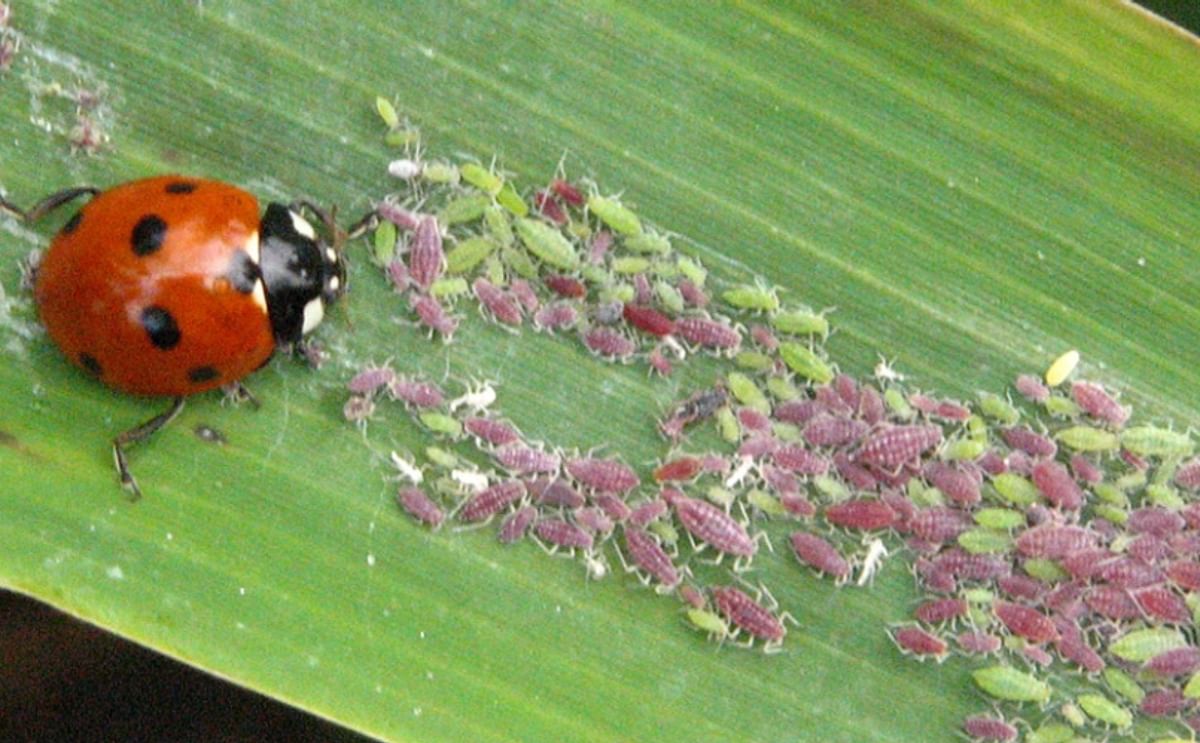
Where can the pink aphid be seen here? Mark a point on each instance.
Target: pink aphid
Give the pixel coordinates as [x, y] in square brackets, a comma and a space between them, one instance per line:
[905, 509]
[563, 534]
[556, 316]
[358, 409]
[645, 512]
[855, 475]
[1086, 564]
[748, 615]
[919, 642]
[1148, 548]
[649, 555]
[1032, 388]
[613, 507]
[567, 287]
[680, 469]
[828, 430]
[601, 242]
[863, 514]
[1111, 602]
[693, 295]
[706, 332]
[799, 460]
[936, 611]
[992, 463]
[1085, 470]
[753, 420]
[426, 258]
[1065, 600]
[1185, 574]
[371, 379]
[891, 447]
[871, 408]
[567, 192]
[1161, 604]
[1029, 441]
[820, 555]
[643, 293]
[593, 519]
[397, 274]
[763, 337]
[798, 505]
[979, 643]
[1021, 587]
[603, 475]
[847, 389]
[606, 313]
[1156, 520]
[491, 431]
[1073, 646]
[962, 564]
[1127, 572]
[951, 410]
[710, 524]
[556, 492]
[1096, 402]
[780, 480]
[984, 728]
[1164, 703]
[516, 524]
[691, 596]
[398, 215]
[923, 403]
[797, 411]
[759, 445]
[419, 505]
[610, 342]
[1185, 544]
[939, 524]
[491, 500]
[659, 362]
[1053, 541]
[1191, 515]
[525, 294]
[959, 484]
[1025, 622]
[1057, 485]
[417, 394]
[1135, 461]
[1178, 662]
[526, 460]
[1188, 474]
[549, 208]
[832, 402]
[1037, 654]
[432, 315]
[502, 305]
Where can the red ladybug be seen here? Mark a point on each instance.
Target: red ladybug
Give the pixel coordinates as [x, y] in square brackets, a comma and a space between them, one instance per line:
[172, 285]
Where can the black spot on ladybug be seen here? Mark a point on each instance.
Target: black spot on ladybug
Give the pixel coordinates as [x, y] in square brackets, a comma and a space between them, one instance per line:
[161, 327]
[199, 374]
[90, 364]
[180, 187]
[72, 223]
[243, 272]
[148, 235]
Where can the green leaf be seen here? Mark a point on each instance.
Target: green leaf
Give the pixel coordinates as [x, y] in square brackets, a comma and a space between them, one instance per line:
[975, 187]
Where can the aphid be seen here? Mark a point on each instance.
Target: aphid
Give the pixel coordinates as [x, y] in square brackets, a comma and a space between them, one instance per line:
[406, 169]
[747, 392]
[601, 242]
[387, 112]
[648, 320]
[1120, 682]
[984, 728]
[593, 519]
[420, 506]
[608, 342]
[554, 493]
[613, 507]
[1155, 520]
[618, 217]
[961, 564]
[1100, 708]
[490, 501]
[754, 297]
[936, 611]
[832, 431]
[1032, 388]
[476, 399]
[1096, 402]
[525, 294]
[800, 322]
[748, 615]
[649, 555]
[358, 409]
[397, 215]
[1009, 684]
[1187, 476]
[692, 294]
[548, 207]
[1025, 622]
[565, 286]
[1111, 602]
[959, 484]
[1164, 703]
[415, 393]
[563, 534]
[481, 178]
[978, 643]
[1141, 645]
[371, 379]
[1178, 662]
[680, 469]
[437, 422]
[1185, 574]
[699, 406]
[555, 316]
[1057, 485]
[1026, 440]
[502, 305]
[893, 446]
[800, 460]
[863, 514]
[1055, 542]
[603, 475]
[432, 315]
[703, 331]
[1088, 439]
[939, 524]
[1072, 646]
[516, 524]
[806, 363]
[820, 555]
[1161, 604]
[547, 244]
[471, 480]
[710, 524]
[1061, 368]
[919, 642]
[982, 540]
[709, 622]
[1151, 441]
[522, 459]
[407, 469]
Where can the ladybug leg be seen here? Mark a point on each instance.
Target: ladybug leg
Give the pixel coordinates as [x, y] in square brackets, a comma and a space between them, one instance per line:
[238, 393]
[368, 221]
[48, 204]
[133, 436]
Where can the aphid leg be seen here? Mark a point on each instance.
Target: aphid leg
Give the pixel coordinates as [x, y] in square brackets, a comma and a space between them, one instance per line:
[134, 435]
[237, 393]
[48, 204]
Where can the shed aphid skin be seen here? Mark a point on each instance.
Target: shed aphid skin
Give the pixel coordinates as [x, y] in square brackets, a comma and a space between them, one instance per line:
[409, 471]
[478, 397]
[1061, 368]
[876, 553]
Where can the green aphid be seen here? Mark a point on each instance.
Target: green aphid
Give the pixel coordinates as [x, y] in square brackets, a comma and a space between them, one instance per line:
[800, 322]
[405, 136]
[1102, 709]
[982, 540]
[963, 449]
[806, 363]
[765, 502]
[1193, 602]
[464, 209]
[440, 457]
[1135, 480]
[493, 271]
[707, 621]
[648, 242]
[596, 275]
[1141, 645]
[1111, 494]
[999, 518]
[1165, 472]
[663, 529]
[998, 409]
[630, 264]
[979, 596]
[440, 172]
[449, 286]
[1192, 689]
[621, 292]
[831, 488]
[468, 254]
[788, 433]
[1151, 441]
[669, 297]
[481, 178]
[755, 361]
[498, 226]
[579, 230]
[1165, 496]
[384, 243]
[1123, 684]
[1047, 571]
[1114, 514]
[1015, 489]
[782, 388]
[752, 297]
[720, 496]
[897, 403]
[728, 426]
[1051, 732]
[745, 391]
[1073, 715]
[1011, 685]
[547, 244]
[1088, 439]
[664, 270]
[447, 486]
[978, 616]
[512, 201]
[620, 219]
[520, 263]
[447, 425]
[923, 495]
[977, 429]
[1061, 407]
[692, 270]
[387, 112]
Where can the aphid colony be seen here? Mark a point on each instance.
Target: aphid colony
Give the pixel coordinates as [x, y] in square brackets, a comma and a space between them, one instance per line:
[1049, 534]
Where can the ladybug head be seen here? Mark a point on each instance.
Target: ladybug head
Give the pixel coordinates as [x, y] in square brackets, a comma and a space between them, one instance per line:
[301, 272]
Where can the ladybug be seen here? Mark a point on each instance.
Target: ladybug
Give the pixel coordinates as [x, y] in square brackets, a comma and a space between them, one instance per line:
[171, 286]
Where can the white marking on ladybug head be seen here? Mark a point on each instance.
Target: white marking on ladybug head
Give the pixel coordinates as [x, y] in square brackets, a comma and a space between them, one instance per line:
[334, 284]
[254, 250]
[314, 312]
[301, 225]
